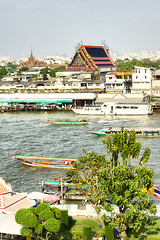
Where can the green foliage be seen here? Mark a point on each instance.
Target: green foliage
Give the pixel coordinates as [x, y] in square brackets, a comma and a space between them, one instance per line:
[87, 233]
[52, 73]
[125, 184]
[11, 65]
[127, 65]
[40, 221]
[121, 180]
[24, 69]
[29, 220]
[45, 71]
[19, 214]
[57, 212]
[52, 225]
[85, 178]
[109, 233]
[41, 207]
[39, 229]
[3, 72]
[26, 232]
[64, 219]
[46, 214]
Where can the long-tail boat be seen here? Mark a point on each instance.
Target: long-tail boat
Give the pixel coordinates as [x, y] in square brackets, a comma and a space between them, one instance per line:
[139, 133]
[55, 184]
[67, 121]
[59, 163]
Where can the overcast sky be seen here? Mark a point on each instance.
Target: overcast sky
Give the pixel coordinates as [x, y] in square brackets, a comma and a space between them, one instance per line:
[56, 27]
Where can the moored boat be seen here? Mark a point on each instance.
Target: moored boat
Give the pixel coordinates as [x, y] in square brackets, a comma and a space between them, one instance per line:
[56, 184]
[139, 132]
[113, 108]
[68, 121]
[59, 163]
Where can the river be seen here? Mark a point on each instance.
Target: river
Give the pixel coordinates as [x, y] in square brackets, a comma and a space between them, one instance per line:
[26, 133]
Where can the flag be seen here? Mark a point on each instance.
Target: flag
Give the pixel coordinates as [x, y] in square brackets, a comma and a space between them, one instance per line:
[154, 191]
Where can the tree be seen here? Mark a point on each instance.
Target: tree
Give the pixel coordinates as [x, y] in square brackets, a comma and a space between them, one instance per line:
[40, 222]
[3, 72]
[128, 65]
[118, 181]
[45, 70]
[85, 177]
[24, 69]
[125, 182]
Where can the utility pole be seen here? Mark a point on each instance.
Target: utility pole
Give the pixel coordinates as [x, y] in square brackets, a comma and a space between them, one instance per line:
[62, 192]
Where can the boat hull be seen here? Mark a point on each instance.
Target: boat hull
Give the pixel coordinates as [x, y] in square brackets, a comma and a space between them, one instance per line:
[59, 163]
[142, 133]
[68, 122]
[112, 108]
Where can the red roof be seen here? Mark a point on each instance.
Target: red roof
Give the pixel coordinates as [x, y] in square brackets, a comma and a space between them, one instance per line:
[91, 57]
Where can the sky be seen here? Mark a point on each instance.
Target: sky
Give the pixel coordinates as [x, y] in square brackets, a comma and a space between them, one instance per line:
[57, 27]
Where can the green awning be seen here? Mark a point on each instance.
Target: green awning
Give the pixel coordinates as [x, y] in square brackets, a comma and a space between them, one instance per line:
[37, 101]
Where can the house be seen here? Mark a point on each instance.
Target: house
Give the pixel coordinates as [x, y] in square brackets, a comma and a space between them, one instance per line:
[11, 202]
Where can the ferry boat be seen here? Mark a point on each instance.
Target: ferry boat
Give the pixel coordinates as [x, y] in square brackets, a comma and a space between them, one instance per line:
[139, 132]
[112, 108]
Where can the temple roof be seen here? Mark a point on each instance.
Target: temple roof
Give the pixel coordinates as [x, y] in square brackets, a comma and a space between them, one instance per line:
[92, 58]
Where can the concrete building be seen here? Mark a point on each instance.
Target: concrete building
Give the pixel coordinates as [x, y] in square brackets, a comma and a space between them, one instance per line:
[118, 82]
[142, 80]
[156, 84]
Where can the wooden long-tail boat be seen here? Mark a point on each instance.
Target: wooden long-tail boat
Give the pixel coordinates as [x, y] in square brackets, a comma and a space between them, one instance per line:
[139, 133]
[67, 121]
[59, 163]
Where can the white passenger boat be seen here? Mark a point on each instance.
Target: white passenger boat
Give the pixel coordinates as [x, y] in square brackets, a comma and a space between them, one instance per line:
[121, 108]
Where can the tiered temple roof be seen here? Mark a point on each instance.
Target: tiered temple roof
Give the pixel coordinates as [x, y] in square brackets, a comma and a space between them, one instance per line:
[11, 202]
[91, 58]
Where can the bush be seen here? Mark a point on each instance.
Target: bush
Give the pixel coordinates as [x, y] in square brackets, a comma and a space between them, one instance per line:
[64, 220]
[19, 214]
[87, 233]
[29, 220]
[57, 212]
[52, 225]
[41, 207]
[109, 233]
[46, 214]
[39, 229]
[26, 232]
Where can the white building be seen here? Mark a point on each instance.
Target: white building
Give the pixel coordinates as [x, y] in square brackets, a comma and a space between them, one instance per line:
[141, 80]
[118, 82]
[156, 84]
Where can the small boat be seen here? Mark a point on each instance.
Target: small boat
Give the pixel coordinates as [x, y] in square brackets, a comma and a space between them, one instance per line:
[113, 108]
[68, 121]
[59, 163]
[57, 184]
[139, 133]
